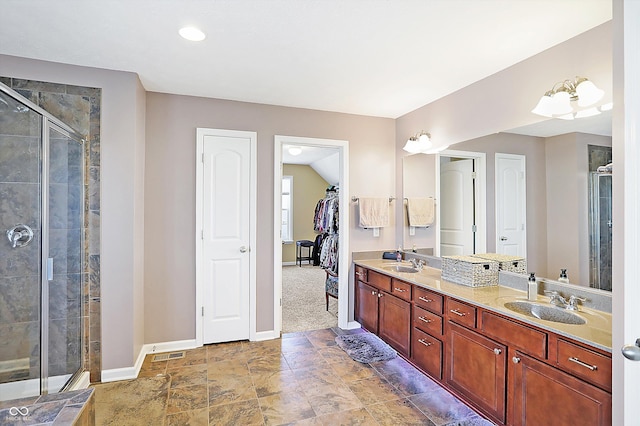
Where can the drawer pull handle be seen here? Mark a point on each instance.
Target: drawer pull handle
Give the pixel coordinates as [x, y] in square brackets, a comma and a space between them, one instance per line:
[584, 364]
[515, 360]
[379, 294]
[359, 274]
[424, 299]
[423, 319]
[457, 312]
[424, 342]
[497, 351]
[373, 292]
[399, 290]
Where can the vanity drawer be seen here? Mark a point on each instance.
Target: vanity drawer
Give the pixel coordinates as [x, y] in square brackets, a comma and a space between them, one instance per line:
[380, 281]
[427, 321]
[461, 313]
[361, 273]
[428, 300]
[515, 335]
[581, 362]
[427, 353]
[401, 289]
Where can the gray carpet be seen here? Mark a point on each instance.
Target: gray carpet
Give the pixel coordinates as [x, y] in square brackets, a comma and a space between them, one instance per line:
[365, 347]
[303, 300]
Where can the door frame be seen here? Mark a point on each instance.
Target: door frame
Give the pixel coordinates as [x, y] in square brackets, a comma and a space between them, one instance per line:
[480, 194]
[523, 206]
[343, 226]
[253, 202]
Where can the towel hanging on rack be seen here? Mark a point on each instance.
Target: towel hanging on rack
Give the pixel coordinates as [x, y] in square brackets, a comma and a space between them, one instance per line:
[374, 212]
[420, 211]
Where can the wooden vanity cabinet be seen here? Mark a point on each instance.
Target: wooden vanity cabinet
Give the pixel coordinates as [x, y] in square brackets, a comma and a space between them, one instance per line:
[427, 348]
[513, 372]
[367, 306]
[394, 325]
[476, 369]
[540, 394]
[382, 313]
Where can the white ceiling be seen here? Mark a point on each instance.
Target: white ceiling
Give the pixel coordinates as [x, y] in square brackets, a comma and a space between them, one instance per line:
[372, 57]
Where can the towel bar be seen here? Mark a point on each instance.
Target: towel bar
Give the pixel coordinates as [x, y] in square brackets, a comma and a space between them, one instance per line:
[355, 199]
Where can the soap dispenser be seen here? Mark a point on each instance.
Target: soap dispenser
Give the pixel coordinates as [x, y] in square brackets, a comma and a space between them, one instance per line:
[563, 276]
[532, 287]
[399, 254]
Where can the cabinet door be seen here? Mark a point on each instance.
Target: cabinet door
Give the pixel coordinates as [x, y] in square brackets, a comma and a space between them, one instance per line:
[394, 326]
[427, 353]
[367, 307]
[541, 394]
[476, 368]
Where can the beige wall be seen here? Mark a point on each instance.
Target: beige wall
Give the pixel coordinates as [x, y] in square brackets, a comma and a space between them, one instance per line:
[308, 188]
[122, 150]
[170, 194]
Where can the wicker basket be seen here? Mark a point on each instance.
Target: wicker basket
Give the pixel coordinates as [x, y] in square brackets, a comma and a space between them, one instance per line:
[470, 271]
[506, 262]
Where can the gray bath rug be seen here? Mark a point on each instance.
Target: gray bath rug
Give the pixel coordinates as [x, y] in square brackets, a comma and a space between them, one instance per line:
[365, 347]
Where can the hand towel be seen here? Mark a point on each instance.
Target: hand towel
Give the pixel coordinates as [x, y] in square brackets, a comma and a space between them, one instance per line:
[374, 212]
[420, 211]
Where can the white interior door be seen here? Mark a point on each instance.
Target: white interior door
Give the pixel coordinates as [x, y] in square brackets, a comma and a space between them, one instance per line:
[511, 201]
[226, 236]
[457, 233]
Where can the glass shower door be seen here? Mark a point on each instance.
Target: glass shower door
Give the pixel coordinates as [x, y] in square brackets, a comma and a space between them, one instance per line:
[62, 285]
[20, 252]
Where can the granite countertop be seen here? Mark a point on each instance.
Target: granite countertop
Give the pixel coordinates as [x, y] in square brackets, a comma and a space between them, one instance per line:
[595, 332]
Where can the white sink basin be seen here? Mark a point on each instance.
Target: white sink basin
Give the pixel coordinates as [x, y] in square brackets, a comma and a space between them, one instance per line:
[544, 312]
[401, 268]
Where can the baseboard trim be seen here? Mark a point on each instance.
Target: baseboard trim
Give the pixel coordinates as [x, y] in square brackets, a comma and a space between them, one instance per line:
[126, 373]
[352, 325]
[289, 263]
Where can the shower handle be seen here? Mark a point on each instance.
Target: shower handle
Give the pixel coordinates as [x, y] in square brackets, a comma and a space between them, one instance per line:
[20, 235]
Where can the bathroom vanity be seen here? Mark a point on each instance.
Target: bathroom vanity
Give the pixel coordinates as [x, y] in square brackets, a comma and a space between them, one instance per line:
[511, 366]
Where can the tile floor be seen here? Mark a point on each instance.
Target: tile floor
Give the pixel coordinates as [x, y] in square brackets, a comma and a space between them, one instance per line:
[302, 379]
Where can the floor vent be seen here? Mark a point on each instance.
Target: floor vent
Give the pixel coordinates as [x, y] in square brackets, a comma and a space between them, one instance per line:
[168, 356]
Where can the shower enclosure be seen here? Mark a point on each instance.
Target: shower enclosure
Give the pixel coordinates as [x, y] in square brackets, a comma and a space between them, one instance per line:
[600, 234]
[42, 196]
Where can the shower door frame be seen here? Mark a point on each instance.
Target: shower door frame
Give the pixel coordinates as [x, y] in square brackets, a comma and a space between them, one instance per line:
[49, 122]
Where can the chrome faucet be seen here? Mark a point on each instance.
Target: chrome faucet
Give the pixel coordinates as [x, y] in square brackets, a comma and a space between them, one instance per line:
[417, 263]
[557, 300]
[573, 302]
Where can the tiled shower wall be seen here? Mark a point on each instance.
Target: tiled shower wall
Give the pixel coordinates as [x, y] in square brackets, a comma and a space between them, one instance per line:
[78, 107]
[600, 156]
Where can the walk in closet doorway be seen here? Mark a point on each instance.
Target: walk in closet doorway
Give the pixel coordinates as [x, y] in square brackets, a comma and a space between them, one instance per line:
[310, 233]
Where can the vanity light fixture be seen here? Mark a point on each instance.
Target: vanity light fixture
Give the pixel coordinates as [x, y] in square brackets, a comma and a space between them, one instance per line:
[295, 150]
[421, 142]
[192, 34]
[560, 101]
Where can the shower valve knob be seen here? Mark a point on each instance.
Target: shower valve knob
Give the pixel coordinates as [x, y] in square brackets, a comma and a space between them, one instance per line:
[20, 235]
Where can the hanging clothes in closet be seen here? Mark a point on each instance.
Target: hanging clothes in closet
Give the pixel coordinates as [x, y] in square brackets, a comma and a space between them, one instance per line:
[325, 222]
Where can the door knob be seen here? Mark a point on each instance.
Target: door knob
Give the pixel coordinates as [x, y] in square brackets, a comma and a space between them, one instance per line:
[243, 249]
[503, 238]
[632, 352]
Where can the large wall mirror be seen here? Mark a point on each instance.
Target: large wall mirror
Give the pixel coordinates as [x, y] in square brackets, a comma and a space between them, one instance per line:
[567, 221]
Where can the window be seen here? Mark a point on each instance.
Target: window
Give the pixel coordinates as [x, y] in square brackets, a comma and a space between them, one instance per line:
[287, 209]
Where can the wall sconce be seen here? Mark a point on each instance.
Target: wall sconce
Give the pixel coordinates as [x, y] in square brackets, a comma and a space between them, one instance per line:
[418, 143]
[559, 102]
[421, 143]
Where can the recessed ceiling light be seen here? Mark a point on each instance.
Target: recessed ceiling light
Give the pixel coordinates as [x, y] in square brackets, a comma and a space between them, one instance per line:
[192, 34]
